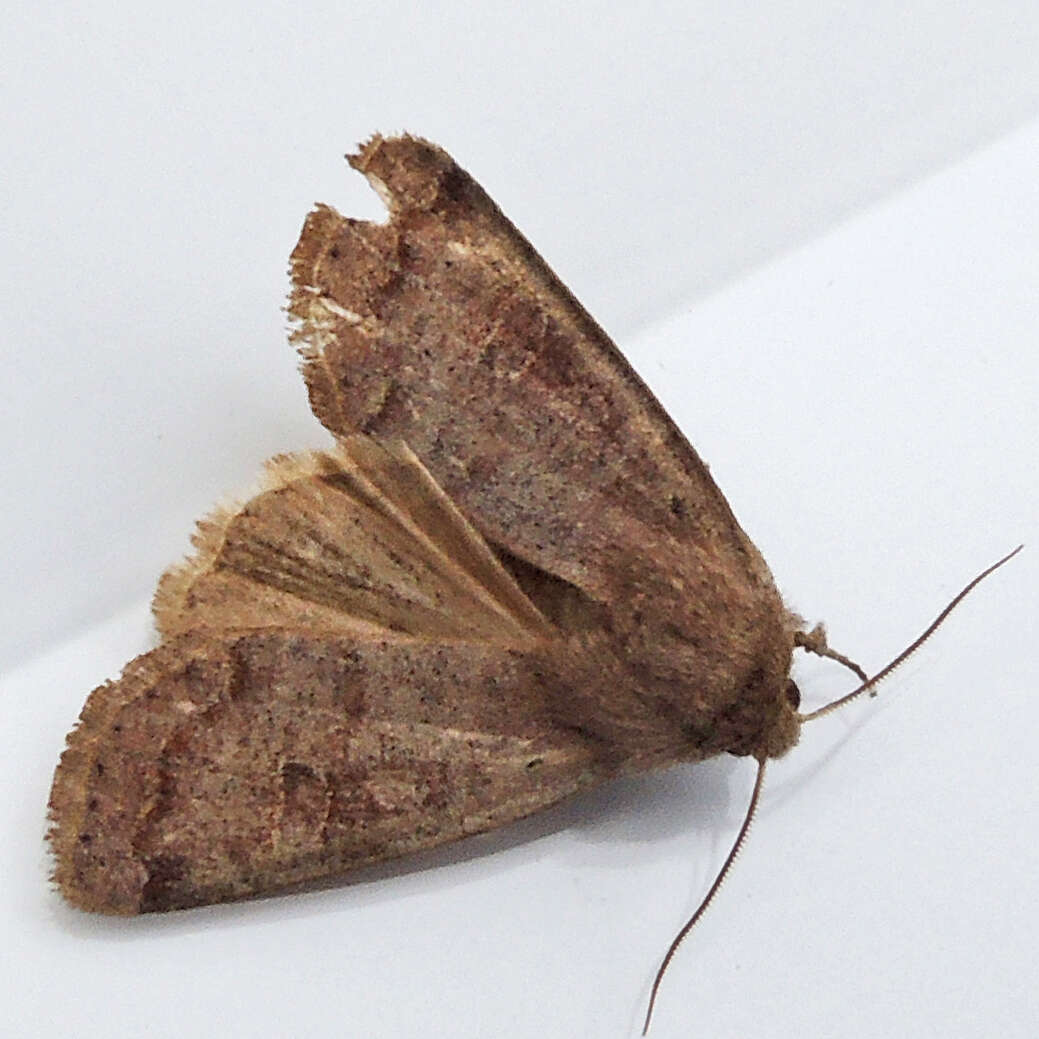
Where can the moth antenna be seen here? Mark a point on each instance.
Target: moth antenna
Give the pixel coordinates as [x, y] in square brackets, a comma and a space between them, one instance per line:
[884, 672]
[702, 908]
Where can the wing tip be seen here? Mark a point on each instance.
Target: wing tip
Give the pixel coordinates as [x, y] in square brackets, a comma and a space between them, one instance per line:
[110, 782]
[171, 604]
[173, 592]
[409, 172]
[94, 867]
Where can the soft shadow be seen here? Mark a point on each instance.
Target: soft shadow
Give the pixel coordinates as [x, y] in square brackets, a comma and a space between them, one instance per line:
[641, 812]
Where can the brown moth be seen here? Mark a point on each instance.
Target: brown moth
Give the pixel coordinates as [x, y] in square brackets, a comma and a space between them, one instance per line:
[511, 580]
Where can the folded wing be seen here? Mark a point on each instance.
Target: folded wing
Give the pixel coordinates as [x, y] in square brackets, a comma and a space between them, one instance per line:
[444, 327]
[359, 539]
[227, 765]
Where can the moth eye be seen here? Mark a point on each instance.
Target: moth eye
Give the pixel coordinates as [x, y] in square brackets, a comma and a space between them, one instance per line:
[793, 694]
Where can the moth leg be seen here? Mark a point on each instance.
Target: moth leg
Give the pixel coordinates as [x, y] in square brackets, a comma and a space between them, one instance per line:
[815, 641]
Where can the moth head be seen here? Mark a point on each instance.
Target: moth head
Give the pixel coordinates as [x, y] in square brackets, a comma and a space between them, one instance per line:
[792, 694]
[783, 729]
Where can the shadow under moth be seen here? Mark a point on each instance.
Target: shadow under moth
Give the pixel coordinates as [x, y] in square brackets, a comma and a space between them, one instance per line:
[511, 580]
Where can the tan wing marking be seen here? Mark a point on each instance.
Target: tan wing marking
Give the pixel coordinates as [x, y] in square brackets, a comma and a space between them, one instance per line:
[360, 539]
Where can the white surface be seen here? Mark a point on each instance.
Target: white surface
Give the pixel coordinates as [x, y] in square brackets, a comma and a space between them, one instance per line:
[867, 402]
[159, 161]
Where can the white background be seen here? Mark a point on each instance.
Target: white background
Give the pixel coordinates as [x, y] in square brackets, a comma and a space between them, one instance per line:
[814, 230]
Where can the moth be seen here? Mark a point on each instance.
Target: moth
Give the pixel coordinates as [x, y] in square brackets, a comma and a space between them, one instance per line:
[511, 579]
